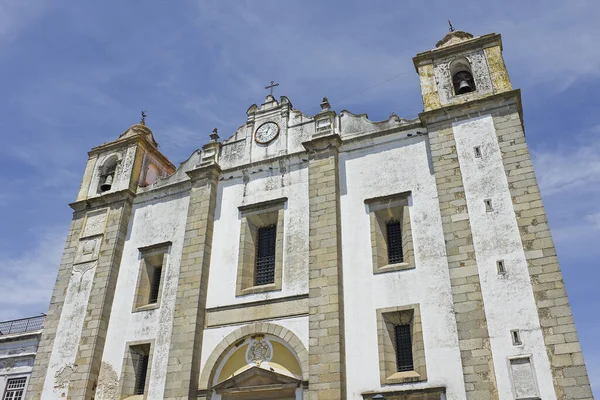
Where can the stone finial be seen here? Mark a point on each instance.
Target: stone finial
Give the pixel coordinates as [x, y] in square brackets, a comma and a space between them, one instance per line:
[325, 104]
[214, 136]
[143, 120]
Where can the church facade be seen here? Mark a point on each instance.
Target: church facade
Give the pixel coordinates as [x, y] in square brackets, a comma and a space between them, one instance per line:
[320, 257]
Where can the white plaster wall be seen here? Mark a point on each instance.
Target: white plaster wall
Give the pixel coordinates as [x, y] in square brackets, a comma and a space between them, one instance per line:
[508, 300]
[214, 336]
[392, 165]
[264, 182]
[68, 332]
[152, 222]
[16, 358]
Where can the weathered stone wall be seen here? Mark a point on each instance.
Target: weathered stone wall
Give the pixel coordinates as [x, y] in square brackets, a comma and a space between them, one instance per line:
[474, 339]
[560, 336]
[326, 308]
[42, 360]
[183, 368]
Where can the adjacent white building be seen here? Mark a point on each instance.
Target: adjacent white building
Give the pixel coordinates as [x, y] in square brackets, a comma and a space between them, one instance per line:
[19, 340]
[320, 257]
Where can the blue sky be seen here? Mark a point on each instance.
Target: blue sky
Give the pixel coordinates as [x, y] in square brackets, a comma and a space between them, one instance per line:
[76, 74]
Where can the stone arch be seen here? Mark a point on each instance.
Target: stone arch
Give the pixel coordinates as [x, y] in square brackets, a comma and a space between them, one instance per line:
[220, 351]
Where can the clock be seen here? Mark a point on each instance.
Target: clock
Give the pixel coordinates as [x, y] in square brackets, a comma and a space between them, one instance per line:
[266, 132]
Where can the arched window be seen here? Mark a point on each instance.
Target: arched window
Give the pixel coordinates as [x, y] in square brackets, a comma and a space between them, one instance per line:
[107, 174]
[462, 77]
[151, 174]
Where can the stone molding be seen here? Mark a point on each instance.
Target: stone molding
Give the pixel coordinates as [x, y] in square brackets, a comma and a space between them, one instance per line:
[217, 355]
[286, 307]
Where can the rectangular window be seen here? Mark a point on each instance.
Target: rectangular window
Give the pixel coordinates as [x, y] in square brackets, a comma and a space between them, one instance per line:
[154, 289]
[265, 255]
[391, 234]
[260, 258]
[136, 370]
[400, 344]
[15, 389]
[404, 357]
[140, 362]
[151, 276]
[394, 242]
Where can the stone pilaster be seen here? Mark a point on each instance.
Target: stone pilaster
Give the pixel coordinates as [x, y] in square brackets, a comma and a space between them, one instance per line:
[473, 336]
[558, 328]
[42, 358]
[84, 379]
[326, 308]
[183, 368]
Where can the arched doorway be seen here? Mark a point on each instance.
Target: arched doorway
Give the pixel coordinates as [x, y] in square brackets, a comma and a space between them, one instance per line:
[264, 361]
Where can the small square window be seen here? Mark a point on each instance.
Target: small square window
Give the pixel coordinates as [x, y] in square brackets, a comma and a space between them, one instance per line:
[151, 276]
[516, 337]
[488, 205]
[501, 267]
[15, 389]
[260, 260]
[477, 150]
[391, 233]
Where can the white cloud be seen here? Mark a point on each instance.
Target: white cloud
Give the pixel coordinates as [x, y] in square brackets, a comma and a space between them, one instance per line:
[568, 168]
[28, 279]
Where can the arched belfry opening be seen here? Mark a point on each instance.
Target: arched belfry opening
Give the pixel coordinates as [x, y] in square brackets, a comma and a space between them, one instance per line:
[462, 76]
[108, 173]
[256, 366]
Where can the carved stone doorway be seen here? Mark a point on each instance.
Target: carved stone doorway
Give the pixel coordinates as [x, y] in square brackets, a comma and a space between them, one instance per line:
[257, 384]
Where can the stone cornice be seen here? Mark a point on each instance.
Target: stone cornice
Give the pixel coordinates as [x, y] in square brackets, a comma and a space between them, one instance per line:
[104, 200]
[427, 57]
[204, 172]
[472, 108]
[320, 144]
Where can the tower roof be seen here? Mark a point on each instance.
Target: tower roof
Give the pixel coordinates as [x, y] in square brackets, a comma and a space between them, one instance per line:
[454, 37]
[139, 130]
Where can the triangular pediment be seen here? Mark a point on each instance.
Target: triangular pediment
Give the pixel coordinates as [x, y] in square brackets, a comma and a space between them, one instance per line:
[254, 378]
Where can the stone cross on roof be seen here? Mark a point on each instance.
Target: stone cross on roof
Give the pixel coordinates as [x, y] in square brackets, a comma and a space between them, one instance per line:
[271, 86]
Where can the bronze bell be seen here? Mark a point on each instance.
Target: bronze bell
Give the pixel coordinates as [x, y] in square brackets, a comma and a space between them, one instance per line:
[464, 87]
[107, 183]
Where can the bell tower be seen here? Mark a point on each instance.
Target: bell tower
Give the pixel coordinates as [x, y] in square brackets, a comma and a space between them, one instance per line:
[460, 69]
[70, 352]
[504, 271]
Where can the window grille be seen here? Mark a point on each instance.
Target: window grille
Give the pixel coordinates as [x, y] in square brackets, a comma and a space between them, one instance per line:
[15, 388]
[404, 359]
[394, 242]
[140, 365]
[155, 285]
[265, 255]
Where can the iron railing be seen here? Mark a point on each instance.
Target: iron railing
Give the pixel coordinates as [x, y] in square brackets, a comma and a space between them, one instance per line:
[21, 325]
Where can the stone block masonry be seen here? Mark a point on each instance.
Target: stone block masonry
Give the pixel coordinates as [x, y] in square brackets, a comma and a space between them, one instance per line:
[42, 358]
[91, 345]
[183, 369]
[562, 344]
[326, 310]
[473, 336]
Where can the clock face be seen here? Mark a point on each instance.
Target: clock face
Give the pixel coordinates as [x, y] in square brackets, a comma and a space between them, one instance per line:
[266, 132]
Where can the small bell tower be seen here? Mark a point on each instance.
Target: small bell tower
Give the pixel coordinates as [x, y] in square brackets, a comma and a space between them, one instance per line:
[73, 340]
[131, 161]
[460, 69]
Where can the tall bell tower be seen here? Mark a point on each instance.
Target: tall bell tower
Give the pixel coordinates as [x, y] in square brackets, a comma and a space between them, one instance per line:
[516, 331]
[69, 356]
